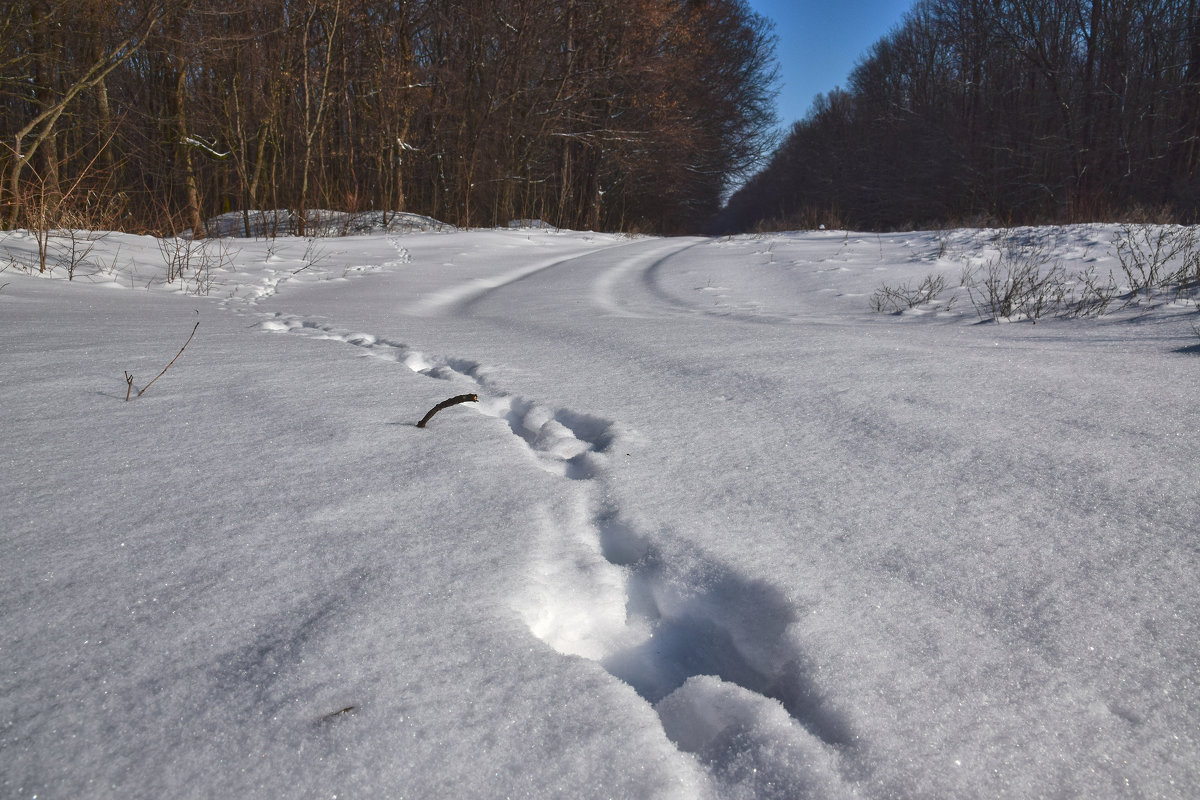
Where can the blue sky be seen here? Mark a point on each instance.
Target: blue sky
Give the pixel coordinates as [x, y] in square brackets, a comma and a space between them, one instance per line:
[820, 41]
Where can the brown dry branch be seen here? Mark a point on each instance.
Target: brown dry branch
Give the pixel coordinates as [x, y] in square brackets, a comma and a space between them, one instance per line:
[129, 378]
[453, 401]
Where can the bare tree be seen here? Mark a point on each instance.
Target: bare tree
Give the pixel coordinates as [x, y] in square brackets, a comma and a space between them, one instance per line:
[59, 79]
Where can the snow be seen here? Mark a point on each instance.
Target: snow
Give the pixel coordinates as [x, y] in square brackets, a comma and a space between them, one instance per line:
[713, 528]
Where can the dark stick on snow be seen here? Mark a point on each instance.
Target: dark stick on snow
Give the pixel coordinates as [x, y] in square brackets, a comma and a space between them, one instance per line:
[142, 391]
[453, 401]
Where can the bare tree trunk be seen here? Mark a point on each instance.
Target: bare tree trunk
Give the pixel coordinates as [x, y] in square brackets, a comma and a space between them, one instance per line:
[314, 112]
[191, 190]
[42, 126]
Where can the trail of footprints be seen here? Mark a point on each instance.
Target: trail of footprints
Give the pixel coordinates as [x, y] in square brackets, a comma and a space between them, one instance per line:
[705, 646]
[311, 264]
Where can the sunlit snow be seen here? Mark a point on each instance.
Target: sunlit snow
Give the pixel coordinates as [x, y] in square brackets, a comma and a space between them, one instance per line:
[713, 528]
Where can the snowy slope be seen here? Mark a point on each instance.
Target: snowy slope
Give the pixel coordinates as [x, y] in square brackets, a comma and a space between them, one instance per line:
[713, 529]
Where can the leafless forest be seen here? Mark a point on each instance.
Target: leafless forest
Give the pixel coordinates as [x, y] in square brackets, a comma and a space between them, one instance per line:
[1027, 111]
[155, 116]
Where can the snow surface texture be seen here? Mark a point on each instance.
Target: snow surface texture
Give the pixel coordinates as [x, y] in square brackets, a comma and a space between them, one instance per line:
[713, 529]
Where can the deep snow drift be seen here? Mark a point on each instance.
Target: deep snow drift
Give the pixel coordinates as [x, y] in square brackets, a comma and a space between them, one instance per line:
[713, 528]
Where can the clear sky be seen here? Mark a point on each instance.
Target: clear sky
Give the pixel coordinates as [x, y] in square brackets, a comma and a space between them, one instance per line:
[820, 41]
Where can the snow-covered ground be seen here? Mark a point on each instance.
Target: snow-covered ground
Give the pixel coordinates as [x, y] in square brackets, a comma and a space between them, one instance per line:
[712, 529]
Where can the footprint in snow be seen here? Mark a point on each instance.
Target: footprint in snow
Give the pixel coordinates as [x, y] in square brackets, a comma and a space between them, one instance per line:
[707, 648]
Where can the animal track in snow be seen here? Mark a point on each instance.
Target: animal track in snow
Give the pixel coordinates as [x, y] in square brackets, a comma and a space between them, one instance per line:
[309, 266]
[699, 618]
[564, 442]
[706, 647]
[377, 347]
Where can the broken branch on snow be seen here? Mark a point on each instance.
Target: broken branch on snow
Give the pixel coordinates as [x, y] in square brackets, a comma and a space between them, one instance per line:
[453, 401]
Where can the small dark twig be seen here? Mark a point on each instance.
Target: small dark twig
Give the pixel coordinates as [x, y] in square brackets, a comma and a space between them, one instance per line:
[168, 366]
[339, 713]
[128, 385]
[453, 401]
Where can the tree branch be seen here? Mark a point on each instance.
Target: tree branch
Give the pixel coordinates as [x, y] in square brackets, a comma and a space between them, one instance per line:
[453, 401]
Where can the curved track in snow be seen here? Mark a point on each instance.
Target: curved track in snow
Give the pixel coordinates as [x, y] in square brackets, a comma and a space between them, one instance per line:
[706, 646]
[721, 552]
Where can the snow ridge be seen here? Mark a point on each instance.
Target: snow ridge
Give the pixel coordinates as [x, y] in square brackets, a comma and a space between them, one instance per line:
[706, 647]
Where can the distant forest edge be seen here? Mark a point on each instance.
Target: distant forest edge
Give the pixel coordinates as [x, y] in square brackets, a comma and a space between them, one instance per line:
[603, 114]
[1005, 111]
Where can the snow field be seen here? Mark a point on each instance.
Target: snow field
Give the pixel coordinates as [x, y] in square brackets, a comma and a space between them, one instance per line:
[598, 591]
[712, 529]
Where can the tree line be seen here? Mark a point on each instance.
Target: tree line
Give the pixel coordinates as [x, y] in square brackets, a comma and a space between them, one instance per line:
[158, 114]
[1017, 111]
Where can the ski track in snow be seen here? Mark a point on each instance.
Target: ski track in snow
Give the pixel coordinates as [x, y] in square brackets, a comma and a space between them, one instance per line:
[634, 288]
[601, 589]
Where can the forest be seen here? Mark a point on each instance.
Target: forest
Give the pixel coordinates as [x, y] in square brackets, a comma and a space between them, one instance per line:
[591, 114]
[999, 111]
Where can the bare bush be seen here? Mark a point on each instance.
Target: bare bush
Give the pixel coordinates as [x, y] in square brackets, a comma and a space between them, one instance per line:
[74, 250]
[1025, 281]
[1157, 258]
[314, 254]
[1093, 297]
[74, 243]
[195, 259]
[900, 298]
[38, 220]
[177, 255]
